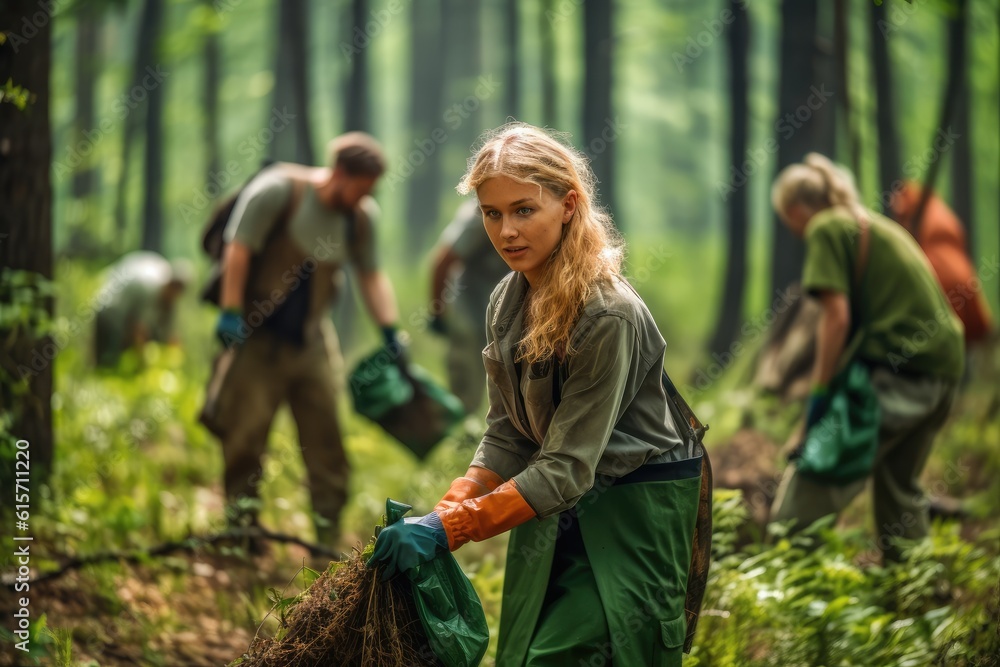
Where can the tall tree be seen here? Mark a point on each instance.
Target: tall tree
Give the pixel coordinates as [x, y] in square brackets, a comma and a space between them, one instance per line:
[145, 83]
[152, 209]
[885, 108]
[465, 97]
[85, 65]
[212, 59]
[26, 230]
[961, 158]
[949, 104]
[357, 101]
[429, 123]
[730, 315]
[512, 98]
[842, 47]
[805, 116]
[548, 64]
[598, 114]
[291, 90]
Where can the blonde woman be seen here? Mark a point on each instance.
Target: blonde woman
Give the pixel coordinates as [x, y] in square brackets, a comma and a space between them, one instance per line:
[911, 341]
[581, 456]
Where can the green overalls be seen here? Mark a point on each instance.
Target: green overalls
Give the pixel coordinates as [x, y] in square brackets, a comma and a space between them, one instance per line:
[601, 577]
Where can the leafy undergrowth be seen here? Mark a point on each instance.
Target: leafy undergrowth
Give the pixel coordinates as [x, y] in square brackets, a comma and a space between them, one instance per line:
[134, 470]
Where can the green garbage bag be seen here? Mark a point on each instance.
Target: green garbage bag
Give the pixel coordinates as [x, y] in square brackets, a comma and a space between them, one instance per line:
[840, 447]
[408, 405]
[447, 604]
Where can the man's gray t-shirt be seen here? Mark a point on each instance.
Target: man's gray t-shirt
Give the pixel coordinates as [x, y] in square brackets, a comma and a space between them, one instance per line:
[319, 231]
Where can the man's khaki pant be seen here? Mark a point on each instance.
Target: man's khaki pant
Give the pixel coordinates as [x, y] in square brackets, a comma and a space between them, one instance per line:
[913, 412]
[265, 373]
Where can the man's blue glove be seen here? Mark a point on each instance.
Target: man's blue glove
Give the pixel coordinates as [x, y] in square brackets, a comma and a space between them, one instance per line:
[819, 402]
[230, 329]
[390, 334]
[408, 543]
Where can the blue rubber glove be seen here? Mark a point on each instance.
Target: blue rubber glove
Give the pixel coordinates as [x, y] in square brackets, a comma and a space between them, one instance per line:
[818, 404]
[230, 329]
[408, 543]
[395, 347]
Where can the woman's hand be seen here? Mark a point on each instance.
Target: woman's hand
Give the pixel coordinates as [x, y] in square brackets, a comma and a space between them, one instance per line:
[408, 543]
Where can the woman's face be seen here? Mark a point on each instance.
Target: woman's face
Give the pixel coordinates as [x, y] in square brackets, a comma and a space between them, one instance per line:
[524, 222]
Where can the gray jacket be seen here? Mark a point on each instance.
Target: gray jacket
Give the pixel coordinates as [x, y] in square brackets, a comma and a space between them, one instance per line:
[612, 414]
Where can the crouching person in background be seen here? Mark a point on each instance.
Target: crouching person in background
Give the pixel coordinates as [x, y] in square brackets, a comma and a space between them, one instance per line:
[137, 300]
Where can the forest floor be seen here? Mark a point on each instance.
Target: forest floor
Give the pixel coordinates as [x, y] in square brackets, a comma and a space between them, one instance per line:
[191, 608]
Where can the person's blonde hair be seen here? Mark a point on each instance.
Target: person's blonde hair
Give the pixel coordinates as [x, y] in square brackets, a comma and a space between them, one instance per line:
[590, 250]
[816, 183]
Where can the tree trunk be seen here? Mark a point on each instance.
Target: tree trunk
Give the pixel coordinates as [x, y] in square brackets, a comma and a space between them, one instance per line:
[841, 47]
[26, 233]
[210, 96]
[949, 105]
[512, 98]
[291, 90]
[961, 159]
[428, 126]
[86, 67]
[730, 315]
[357, 114]
[152, 210]
[465, 96]
[805, 79]
[885, 111]
[598, 118]
[135, 100]
[548, 65]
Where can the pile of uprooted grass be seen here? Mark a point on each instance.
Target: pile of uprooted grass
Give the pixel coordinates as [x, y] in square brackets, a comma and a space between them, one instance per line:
[349, 618]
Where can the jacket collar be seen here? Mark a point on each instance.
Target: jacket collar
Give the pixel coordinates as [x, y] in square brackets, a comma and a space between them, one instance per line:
[509, 304]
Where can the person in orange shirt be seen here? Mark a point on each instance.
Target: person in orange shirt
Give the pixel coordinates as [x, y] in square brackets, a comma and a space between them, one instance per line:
[942, 238]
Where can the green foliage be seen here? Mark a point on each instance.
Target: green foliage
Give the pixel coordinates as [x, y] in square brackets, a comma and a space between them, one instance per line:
[11, 93]
[806, 600]
[133, 469]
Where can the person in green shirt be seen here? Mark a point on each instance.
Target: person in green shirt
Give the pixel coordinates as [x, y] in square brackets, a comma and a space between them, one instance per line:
[909, 338]
[582, 459]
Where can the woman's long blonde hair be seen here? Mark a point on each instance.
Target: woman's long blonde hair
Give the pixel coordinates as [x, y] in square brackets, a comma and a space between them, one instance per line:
[816, 183]
[590, 250]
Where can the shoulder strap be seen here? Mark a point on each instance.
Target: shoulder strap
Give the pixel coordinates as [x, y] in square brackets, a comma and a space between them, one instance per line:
[864, 240]
[695, 430]
[298, 187]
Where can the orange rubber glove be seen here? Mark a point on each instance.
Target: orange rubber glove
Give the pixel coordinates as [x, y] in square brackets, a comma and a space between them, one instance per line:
[477, 482]
[477, 519]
